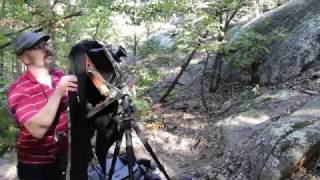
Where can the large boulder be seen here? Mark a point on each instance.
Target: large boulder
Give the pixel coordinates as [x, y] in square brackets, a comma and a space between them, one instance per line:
[287, 144]
[300, 20]
[271, 135]
[249, 113]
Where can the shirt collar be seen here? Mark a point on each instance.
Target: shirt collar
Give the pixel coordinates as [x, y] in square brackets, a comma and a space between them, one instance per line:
[31, 77]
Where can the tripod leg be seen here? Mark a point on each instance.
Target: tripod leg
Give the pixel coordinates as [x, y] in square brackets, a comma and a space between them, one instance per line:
[149, 149]
[116, 152]
[129, 149]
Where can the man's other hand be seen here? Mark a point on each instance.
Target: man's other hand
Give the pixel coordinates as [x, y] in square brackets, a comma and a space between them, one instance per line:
[67, 83]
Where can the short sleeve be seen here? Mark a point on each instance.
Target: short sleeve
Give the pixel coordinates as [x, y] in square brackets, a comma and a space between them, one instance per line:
[20, 105]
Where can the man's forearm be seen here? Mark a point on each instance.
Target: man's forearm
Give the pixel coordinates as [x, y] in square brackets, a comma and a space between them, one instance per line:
[39, 124]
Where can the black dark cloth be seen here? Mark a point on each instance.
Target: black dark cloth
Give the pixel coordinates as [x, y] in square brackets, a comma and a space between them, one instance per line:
[40, 172]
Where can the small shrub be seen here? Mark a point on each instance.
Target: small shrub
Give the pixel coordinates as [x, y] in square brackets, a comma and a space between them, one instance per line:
[8, 130]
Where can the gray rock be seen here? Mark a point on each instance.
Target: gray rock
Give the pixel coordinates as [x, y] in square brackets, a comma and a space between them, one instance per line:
[162, 41]
[185, 79]
[191, 73]
[270, 134]
[8, 170]
[221, 177]
[287, 58]
[286, 144]
[188, 76]
[270, 4]
[244, 117]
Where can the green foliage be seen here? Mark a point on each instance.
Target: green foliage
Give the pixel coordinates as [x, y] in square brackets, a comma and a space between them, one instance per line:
[147, 76]
[285, 147]
[143, 108]
[141, 104]
[91, 27]
[211, 16]
[251, 45]
[3, 85]
[67, 22]
[146, 49]
[146, 11]
[301, 125]
[172, 96]
[8, 130]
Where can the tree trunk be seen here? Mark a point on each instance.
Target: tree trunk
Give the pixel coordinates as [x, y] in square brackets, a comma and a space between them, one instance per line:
[135, 44]
[216, 73]
[1, 69]
[216, 68]
[203, 99]
[3, 5]
[183, 68]
[97, 30]
[135, 41]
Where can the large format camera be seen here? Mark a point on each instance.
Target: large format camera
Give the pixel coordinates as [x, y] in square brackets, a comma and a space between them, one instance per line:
[109, 78]
[102, 104]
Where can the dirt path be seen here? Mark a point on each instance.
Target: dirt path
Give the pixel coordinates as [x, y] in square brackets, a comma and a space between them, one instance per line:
[186, 140]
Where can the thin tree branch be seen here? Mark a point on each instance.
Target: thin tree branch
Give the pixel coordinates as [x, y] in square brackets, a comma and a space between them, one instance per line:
[183, 68]
[5, 45]
[13, 33]
[240, 4]
[97, 29]
[226, 24]
[79, 13]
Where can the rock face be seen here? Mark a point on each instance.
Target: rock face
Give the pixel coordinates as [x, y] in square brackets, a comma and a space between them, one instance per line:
[300, 20]
[191, 73]
[269, 136]
[247, 115]
[287, 144]
[8, 162]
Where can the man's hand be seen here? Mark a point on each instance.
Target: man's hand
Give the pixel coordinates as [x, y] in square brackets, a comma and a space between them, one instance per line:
[67, 83]
[39, 124]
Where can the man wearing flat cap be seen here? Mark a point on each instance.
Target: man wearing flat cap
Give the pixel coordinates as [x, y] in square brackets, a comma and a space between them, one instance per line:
[38, 100]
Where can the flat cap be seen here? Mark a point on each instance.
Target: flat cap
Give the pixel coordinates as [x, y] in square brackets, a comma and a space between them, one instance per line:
[27, 40]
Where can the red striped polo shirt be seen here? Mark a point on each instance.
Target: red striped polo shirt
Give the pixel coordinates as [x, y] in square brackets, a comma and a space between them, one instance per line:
[26, 96]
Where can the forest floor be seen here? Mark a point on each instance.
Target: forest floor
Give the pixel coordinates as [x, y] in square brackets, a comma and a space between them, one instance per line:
[184, 133]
